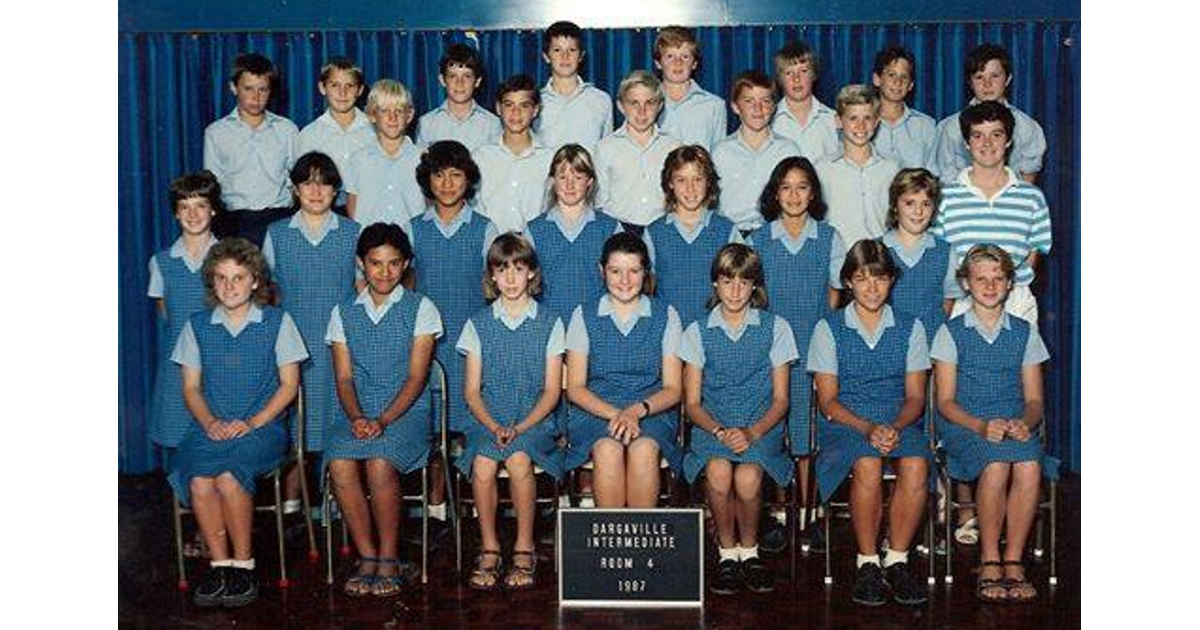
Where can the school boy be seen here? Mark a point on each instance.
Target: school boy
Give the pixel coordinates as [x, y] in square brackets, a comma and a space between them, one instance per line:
[515, 169]
[690, 113]
[459, 117]
[800, 117]
[573, 110]
[343, 129]
[381, 184]
[905, 135]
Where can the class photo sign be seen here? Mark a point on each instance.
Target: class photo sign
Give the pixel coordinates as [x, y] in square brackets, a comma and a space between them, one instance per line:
[625, 557]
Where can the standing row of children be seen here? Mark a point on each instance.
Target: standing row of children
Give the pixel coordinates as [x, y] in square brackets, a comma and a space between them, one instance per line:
[367, 399]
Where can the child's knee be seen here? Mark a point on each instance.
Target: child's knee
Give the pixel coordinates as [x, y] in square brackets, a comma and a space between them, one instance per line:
[202, 487]
[644, 452]
[608, 452]
[748, 480]
[719, 475]
[519, 466]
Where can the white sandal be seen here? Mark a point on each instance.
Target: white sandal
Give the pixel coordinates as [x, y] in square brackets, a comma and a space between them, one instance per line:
[968, 532]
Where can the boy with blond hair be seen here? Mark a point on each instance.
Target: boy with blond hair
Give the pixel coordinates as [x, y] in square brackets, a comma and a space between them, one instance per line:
[381, 184]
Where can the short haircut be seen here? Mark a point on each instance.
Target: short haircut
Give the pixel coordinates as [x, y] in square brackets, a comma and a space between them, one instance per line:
[442, 155]
[460, 54]
[871, 256]
[736, 260]
[580, 161]
[315, 165]
[644, 79]
[519, 83]
[857, 94]
[691, 154]
[987, 252]
[768, 201]
[750, 79]
[562, 28]
[986, 111]
[254, 63]
[911, 180]
[797, 52]
[199, 184]
[386, 91]
[980, 55]
[345, 64]
[674, 37]
[244, 253]
[885, 57]
[511, 248]
[627, 243]
[380, 234]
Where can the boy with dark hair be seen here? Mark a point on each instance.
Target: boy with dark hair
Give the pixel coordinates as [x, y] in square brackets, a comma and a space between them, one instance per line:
[459, 117]
[905, 135]
[514, 169]
[573, 110]
[343, 129]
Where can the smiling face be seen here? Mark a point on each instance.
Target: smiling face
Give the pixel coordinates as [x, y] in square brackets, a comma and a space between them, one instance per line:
[895, 82]
[795, 193]
[252, 92]
[449, 187]
[391, 120]
[624, 275]
[341, 90]
[195, 215]
[571, 187]
[563, 55]
[640, 105]
[990, 81]
[383, 267]
[754, 106]
[677, 63]
[517, 110]
[315, 197]
[460, 83]
[988, 143]
[233, 284]
[987, 284]
[689, 185]
[858, 124]
[870, 290]
[914, 211]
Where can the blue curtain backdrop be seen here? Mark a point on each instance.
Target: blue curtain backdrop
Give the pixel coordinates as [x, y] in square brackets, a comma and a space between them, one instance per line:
[173, 84]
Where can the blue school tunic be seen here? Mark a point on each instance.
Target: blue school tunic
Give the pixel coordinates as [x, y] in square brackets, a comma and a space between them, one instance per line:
[798, 291]
[736, 389]
[184, 293]
[988, 385]
[450, 271]
[514, 374]
[921, 289]
[379, 353]
[871, 385]
[681, 269]
[623, 369]
[312, 278]
[239, 375]
[570, 268]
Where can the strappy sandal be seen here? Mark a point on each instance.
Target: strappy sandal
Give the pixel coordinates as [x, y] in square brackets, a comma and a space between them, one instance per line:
[521, 578]
[991, 589]
[1020, 589]
[388, 585]
[362, 582]
[968, 532]
[486, 578]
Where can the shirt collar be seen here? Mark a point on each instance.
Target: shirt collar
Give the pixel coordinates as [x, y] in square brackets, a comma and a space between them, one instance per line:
[444, 108]
[269, 117]
[360, 120]
[463, 216]
[851, 318]
[808, 231]
[964, 178]
[556, 214]
[693, 89]
[330, 222]
[534, 145]
[606, 308]
[253, 316]
[971, 321]
[364, 297]
[671, 218]
[715, 320]
[179, 249]
[892, 239]
[499, 313]
[818, 109]
[580, 84]
[871, 161]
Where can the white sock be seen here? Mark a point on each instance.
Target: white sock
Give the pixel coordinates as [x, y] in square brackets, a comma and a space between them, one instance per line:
[871, 559]
[438, 511]
[745, 553]
[242, 564]
[780, 515]
[732, 553]
[892, 557]
[291, 506]
[587, 502]
[220, 563]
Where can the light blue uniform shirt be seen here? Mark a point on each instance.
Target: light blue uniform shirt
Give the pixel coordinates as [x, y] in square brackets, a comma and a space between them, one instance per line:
[314, 238]
[325, 135]
[429, 320]
[583, 116]
[480, 127]
[289, 345]
[629, 176]
[837, 247]
[817, 137]
[783, 343]
[178, 250]
[689, 236]
[744, 172]
[252, 164]
[945, 350]
[468, 340]
[449, 229]
[857, 196]
[513, 187]
[909, 142]
[910, 257]
[822, 350]
[570, 232]
[579, 341]
[698, 118]
[385, 187]
[951, 155]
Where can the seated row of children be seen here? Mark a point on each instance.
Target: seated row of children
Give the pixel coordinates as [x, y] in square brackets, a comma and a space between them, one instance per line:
[707, 312]
[251, 149]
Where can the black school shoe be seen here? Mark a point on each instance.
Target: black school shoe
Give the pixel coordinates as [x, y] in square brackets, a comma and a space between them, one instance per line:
[241, 588]
[905, 588]
[869, 586]
[773, 538]
[728, 579]
[757, 576]
[211, 587]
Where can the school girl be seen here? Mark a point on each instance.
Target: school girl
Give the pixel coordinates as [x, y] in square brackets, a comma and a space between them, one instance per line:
[926, 286]
[625, 379]
[513, 351]
[240, 371]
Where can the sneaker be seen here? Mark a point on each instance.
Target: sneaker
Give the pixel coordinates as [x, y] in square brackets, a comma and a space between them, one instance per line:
[814, 538]
[869, 587]
[241, 588]
[211, 587]
[757, 576]
[729, 577]
[773, 538]
[905, 589]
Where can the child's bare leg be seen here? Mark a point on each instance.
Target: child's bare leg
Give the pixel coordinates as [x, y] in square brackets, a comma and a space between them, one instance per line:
[641, 474]
[866, 503]
[991, 499]
[291, 483]
[437, 485]
[719, 485]
[523, 487]
[608, 482]
[963, 493]
[347, 488]
[747, 482]
[486, 494]
[210, 517]
[384, 482]
[908, 501]
[1022, 507]
[802, 472]
[238, 507]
